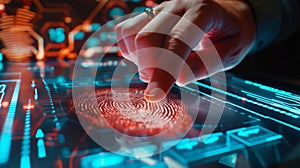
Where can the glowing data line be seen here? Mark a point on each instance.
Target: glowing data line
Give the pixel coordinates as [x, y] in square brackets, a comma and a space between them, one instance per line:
[247, 100]
[276, 103]
[6, 135]
[295, 100]
[41, 149]
[2, 88]
[25, 151]
[268, 88]
[36, 95]
[2, 92]
[237, 106]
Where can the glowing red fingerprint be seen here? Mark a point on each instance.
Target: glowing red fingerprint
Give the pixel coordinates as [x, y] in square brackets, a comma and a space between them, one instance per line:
[128, 112]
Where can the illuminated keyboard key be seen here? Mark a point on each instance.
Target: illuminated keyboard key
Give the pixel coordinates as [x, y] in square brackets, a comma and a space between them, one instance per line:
[195, 151]
[254, 135]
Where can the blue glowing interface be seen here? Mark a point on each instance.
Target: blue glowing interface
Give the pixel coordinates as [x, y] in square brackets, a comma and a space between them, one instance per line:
[39, 128]
[9, 92]
[57, 35]
[254, 135]
[258, 100]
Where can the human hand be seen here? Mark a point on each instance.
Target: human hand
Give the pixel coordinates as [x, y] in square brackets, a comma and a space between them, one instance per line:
[227, 26]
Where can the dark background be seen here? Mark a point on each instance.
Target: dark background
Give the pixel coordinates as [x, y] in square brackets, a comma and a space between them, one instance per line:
[279, 62]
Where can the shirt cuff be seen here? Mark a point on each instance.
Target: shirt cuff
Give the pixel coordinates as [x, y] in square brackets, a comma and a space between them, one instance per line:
[268, 17]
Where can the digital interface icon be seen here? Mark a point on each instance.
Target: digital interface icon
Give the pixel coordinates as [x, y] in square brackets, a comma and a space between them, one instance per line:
[254, 135]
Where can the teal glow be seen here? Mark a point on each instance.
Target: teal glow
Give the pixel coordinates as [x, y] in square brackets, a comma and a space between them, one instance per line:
[269, 139]
[294, 99]
[240, 107]
[108, 37]
[60, 79]
[143, 151]
[201, 152]
[106, 160]
[259, 135]
[1, 56]
[57, 35]
[61, 138]
[95, 26]
[247, 133]
[110, 24]
[93, 42]
[2, 88]
[273, 102]
[39, 134]
[187, 143]
[115, 13]
[267, 88]
[45, 83]
[57, 125]
[103, 36]
[171, 163]
[41, 149]
[211, 140]
[2, 93]
[25, 162]
[79, 35]
[6, 135]
[230, 160]
[139, 9]
[159, 165]
[25, 149]
[5, 142]
[33, 84]
[36, 95]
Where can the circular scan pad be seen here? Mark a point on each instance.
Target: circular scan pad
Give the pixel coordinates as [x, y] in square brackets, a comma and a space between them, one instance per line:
[128, 112]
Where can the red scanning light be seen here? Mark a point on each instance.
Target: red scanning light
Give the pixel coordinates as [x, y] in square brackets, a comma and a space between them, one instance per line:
[5, 104]
[128, 112]
[28, 107]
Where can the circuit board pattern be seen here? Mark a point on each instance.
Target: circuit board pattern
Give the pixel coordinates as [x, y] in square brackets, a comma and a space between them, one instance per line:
[57, 29]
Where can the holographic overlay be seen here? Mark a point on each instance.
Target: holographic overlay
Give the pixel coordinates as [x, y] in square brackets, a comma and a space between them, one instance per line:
[138, 128]
[131, 114]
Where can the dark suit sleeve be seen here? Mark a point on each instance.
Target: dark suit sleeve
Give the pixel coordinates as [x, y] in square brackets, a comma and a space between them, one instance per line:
[275, 19]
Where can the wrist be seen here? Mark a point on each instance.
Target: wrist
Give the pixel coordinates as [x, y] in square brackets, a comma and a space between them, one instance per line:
[267, 15]
[245, 17]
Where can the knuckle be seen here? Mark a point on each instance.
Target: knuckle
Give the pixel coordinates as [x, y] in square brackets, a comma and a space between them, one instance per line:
[177, 34]
[176, 39]
[118, 27]
[201, 6]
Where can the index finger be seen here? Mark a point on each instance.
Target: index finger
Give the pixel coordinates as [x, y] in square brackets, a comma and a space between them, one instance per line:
[184, 36]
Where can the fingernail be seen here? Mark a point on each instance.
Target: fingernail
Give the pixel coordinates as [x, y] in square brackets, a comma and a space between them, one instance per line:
[154, 93]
